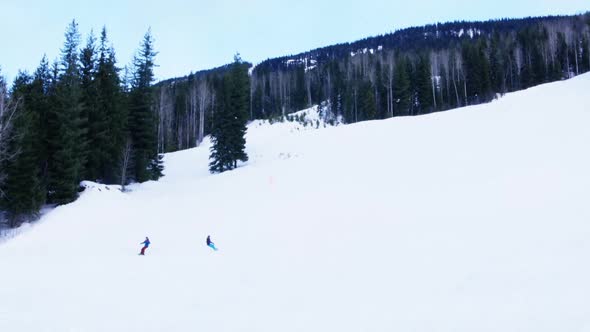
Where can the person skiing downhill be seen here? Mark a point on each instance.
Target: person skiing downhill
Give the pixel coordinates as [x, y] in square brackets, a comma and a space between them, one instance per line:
[146, 244]
[210, 244]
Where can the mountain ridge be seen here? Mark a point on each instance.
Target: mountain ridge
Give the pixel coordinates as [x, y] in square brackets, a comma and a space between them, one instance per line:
[411, 71]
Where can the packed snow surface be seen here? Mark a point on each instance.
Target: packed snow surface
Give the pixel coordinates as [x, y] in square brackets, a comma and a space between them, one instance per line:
[476, 219]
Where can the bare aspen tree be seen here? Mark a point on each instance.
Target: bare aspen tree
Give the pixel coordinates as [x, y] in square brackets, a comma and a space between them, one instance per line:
[281, 87]
[349, 76]
[372, 75]
[552, 42]
[364, 63]
[8, 111]
[518, 61]
[444, 61]
[546, 57]
[126, 156]
[389, 62]
[577, 47]
[287, 93]
[252, 89]
[166, 116]
[192, 137]
[569, 35]
[213, 97]
[264, 82]
[3, 98]
[184, 143]
[434, 75]
[386, 85]
[329, 87]
[308, 87]
[457, 63]
[357, 68]
[572, 40]
[161, 119]
[283, 91]
[179, 132]
[462, 76]
[390, 79]
[273, 81]
[4, 129]
[203, 101]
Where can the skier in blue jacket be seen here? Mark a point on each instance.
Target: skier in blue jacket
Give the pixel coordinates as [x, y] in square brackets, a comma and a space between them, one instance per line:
[146, 244]
[210, 244]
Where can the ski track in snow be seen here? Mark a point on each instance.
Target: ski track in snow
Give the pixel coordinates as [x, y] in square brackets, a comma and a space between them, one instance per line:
[475, 219]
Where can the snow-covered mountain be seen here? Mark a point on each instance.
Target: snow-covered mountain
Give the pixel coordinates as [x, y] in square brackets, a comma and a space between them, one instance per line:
[470, 220]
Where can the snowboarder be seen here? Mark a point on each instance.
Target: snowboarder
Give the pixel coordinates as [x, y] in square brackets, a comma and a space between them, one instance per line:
[146, 244]
[210, 244]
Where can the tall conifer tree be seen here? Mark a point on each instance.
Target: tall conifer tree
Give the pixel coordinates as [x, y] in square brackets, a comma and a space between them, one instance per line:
[423, 79]
[68, 142]
[92, 119]
[109, 124]
[239, 104]
[142, 120]
[23, 190]
[230, 119]
[401, 88]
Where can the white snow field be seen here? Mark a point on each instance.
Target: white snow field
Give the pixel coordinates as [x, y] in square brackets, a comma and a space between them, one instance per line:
[476, 219]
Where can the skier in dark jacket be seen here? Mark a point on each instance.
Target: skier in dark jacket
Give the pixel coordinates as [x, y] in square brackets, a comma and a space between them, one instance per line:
[210, 244]
[146, 244]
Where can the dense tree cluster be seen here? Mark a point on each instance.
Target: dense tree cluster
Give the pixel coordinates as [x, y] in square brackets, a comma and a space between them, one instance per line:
[76, 120]
[427, 69]
[409, 72]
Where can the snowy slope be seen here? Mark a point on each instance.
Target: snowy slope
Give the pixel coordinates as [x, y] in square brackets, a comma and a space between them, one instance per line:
[470, 220]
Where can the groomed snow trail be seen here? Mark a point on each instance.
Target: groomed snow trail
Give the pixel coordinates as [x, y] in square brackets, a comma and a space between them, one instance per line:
[476, 219]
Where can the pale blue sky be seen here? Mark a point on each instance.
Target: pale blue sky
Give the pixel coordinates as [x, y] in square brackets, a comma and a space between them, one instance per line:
[195, 35]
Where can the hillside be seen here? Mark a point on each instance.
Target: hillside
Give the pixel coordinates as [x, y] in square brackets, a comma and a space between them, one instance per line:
[471, 220]
[412, 71]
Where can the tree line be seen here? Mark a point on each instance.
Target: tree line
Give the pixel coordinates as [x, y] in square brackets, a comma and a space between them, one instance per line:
[409, 72]
[83, 118]
[78, 118]
[422, 70]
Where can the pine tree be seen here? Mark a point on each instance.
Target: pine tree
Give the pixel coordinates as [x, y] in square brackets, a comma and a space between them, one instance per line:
[39, 104]
[423, 81]
[368, 107]
[562, 56]
[401, 88]
[239, 103]
[23, 191]
[220, 157]
[5, 129]
[230, 118]
[299, 96]
[380, 88]
[52, 124]
[477, 67]
[484, 72]
[110, 123]
[92, 120]
[496, 66]
[142, 121]
[257, 103]
[68, 142]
